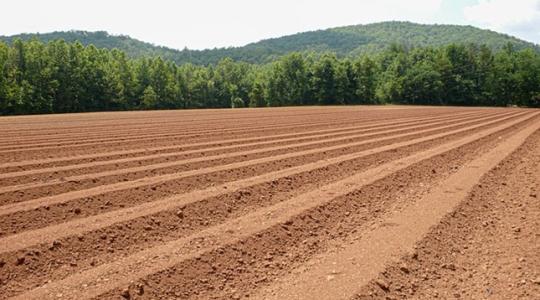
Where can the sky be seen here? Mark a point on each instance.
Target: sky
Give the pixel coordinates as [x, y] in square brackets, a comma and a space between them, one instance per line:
[200, 24]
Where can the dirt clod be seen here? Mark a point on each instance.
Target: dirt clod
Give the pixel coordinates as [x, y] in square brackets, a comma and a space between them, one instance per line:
[180, 214]
[383, 284]
[125, 294]
[20, 260]
[404, 268]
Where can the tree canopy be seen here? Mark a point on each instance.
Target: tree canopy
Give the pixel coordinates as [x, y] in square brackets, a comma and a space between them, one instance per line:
[58, 76]
[348, 41]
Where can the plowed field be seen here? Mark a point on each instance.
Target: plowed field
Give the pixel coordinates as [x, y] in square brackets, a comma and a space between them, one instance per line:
[286, 203]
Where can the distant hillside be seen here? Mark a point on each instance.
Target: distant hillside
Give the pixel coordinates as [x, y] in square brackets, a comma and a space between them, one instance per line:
[100, 39]
[348, 40]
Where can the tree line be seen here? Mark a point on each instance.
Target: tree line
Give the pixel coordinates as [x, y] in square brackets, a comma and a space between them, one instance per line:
[58, 77]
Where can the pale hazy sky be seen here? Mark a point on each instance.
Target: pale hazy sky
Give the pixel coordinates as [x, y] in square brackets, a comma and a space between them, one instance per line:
[201, 24]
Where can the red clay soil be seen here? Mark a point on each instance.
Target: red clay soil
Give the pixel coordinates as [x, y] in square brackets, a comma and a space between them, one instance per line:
[488, 247]
[286, 203]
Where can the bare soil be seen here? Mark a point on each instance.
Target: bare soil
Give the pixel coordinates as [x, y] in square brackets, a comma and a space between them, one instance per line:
[286, 203]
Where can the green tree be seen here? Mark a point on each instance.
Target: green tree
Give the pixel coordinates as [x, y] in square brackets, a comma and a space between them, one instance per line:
[162, 81]
[150, 98]
[422, 84]
[257, 93]
[366, 81]
[505, 81]
[237, 102]
[390, 85]
[324, 83]
[527, 77]
[460, 83]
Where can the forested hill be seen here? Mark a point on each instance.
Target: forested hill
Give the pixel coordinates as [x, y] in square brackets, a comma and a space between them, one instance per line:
[101, 39]
[344, 41]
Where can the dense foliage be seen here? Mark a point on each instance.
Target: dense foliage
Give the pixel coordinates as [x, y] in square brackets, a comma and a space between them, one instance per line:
[68, 77]
[349, 41]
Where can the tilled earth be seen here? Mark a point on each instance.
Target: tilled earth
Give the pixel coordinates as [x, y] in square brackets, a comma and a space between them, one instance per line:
[283, 203]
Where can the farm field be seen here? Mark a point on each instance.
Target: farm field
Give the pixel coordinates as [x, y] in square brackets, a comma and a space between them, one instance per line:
[281, 203]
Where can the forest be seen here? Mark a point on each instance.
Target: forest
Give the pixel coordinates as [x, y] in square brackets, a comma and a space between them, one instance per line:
[60, 77]
[347, 41]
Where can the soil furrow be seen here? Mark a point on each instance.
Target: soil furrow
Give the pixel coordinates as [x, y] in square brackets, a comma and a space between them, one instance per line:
[112, 135]
[191, 174]
[150, 261]
[237, 126]
[230, 144]
[127, 237]
[169, 132]
[52, 152]
[107, 154]
[117, 168]
[32, 219]
[149, 181]
[160, 119]
[25, 239]
[394, 236]
[486, 248]
[179, 137]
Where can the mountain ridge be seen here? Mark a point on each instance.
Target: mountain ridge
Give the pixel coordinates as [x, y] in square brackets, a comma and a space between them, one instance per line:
[349, 40]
